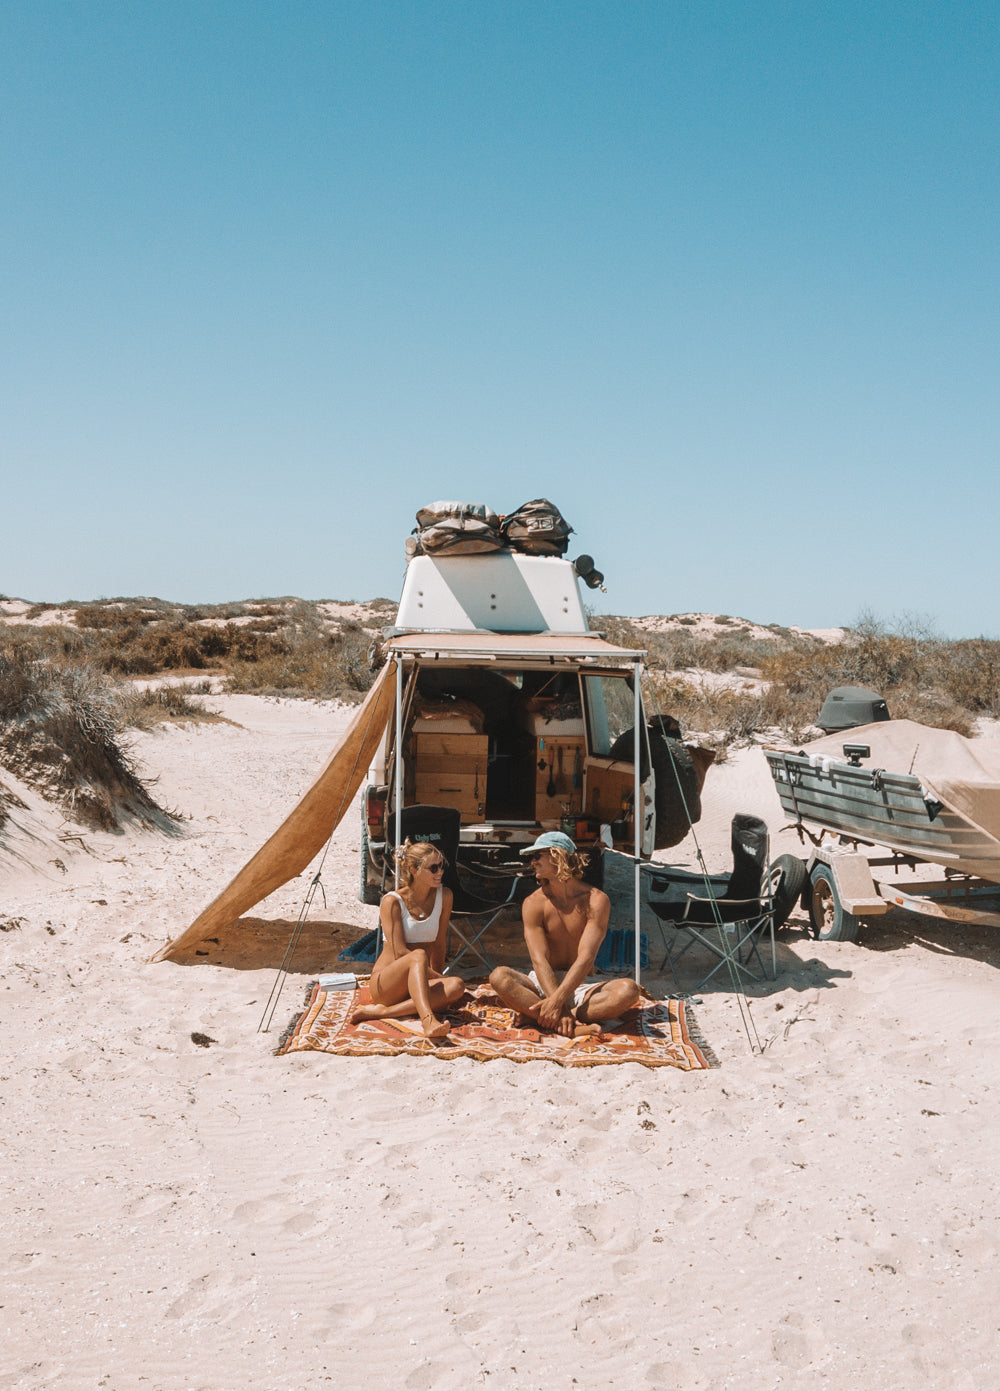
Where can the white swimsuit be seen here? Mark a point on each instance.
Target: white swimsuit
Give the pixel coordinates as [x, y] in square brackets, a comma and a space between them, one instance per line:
[418, 931]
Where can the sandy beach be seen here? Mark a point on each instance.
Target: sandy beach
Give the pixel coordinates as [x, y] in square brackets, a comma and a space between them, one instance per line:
[204, 1216]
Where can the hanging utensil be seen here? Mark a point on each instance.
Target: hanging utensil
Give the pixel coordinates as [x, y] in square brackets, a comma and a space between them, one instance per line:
[550, 790]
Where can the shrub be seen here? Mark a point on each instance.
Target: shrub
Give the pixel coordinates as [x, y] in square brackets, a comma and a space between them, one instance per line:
[62, 728]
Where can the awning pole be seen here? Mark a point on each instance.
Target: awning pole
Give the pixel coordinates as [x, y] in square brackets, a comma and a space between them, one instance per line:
[638, 815]
[399, 766]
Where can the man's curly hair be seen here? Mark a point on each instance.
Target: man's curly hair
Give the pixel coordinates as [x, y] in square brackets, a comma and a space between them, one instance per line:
[568, 865]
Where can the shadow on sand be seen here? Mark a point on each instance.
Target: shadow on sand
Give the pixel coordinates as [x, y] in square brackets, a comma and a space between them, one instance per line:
[260, 944]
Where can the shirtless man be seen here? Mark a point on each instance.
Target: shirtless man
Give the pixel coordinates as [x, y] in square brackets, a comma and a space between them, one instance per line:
[564, 925]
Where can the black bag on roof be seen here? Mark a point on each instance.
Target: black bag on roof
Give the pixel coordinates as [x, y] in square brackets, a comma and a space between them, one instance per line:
[458, 528]
[537, 528]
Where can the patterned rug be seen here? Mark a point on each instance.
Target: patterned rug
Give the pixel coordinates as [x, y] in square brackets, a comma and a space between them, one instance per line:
[657, 1033]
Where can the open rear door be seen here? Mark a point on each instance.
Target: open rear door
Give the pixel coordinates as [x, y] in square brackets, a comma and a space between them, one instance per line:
[609, 768]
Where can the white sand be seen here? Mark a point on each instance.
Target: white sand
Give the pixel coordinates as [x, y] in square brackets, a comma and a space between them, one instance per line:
[181, 1218]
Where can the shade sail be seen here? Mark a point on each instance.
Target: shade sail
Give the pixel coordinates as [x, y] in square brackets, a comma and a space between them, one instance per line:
[306, 830]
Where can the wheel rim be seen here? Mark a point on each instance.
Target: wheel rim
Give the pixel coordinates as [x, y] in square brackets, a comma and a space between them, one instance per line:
[824, 908]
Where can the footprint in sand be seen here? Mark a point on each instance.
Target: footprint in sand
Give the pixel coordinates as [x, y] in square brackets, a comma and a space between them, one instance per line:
[202, 1296]
[428, 1376]
[303, 1223]
[613, 1227]
[258, 1210]
[797, 1341]
[351, 1318]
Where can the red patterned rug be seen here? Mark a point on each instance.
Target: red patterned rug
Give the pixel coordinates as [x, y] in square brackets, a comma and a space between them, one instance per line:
[657, 1033]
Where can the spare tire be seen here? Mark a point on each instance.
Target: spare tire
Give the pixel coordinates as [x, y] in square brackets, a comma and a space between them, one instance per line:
[675, 775]
[594, 872]
[788, 878]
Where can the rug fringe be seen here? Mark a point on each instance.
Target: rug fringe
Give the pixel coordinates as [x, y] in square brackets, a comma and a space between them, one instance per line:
[695, 1034]
[296, 1019]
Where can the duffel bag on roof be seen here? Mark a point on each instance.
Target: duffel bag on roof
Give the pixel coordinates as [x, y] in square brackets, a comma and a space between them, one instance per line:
[458, 528]
[538, 528]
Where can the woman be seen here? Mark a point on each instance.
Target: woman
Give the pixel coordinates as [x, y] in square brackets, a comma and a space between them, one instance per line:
[406, 978]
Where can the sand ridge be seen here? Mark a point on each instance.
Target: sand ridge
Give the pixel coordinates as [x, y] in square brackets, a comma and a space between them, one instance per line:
[199, 1218]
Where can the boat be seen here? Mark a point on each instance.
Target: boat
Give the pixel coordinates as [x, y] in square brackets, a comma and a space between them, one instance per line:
[925, 794]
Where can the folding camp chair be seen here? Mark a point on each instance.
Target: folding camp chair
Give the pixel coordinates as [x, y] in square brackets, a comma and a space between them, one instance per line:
[471, 916]
[728, 914]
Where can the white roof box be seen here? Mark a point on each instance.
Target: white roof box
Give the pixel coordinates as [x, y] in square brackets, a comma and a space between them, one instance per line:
[502, 592]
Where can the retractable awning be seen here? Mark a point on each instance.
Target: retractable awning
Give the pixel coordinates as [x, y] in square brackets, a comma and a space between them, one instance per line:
[544, 648]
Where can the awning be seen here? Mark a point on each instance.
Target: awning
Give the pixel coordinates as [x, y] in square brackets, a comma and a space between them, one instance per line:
[544, 648]
[305, 830]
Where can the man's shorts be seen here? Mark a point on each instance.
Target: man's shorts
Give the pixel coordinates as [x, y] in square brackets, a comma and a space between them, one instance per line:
[579, 994]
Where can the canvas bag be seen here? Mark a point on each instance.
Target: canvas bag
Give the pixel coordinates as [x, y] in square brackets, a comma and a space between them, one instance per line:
[458, 528]
[538, 528]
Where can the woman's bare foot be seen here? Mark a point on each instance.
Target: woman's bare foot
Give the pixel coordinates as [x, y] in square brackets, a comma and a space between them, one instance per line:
[367, 1012]
[435, 1027]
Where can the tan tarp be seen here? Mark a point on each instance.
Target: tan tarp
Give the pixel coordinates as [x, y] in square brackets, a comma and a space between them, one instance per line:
[306, 830]
[962, 774]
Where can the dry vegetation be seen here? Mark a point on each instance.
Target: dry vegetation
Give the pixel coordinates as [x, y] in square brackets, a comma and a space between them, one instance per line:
[70, 689]
[922, 677]
[63, 728]
[68, 692]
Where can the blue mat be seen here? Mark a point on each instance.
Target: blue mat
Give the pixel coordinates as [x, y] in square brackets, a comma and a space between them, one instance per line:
[617, 951]
[364, 949]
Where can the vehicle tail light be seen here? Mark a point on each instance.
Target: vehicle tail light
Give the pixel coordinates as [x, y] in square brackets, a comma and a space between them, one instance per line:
[375, 808]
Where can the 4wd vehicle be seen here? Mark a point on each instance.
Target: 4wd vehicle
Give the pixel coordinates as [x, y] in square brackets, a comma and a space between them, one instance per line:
[511, 710]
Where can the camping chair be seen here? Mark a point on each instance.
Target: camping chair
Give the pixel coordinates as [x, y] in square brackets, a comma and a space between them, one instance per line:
[471, 916]
[728, 914]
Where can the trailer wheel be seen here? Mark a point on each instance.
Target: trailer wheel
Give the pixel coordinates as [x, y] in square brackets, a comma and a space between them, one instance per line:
[830, 921]
[367, 893]
[788, 878]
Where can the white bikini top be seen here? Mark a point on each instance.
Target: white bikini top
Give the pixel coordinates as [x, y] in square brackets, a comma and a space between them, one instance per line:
[416, 931]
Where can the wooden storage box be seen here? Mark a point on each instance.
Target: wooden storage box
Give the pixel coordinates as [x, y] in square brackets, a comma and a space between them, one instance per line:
[450, 771]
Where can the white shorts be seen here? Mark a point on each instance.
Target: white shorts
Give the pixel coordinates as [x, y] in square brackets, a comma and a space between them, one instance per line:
[579, 994]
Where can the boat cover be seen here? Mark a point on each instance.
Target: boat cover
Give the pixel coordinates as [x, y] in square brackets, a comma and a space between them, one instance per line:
[963, 774]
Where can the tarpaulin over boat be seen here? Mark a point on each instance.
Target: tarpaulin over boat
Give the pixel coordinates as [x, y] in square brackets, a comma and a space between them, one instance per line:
[306, 830]
[963, 774]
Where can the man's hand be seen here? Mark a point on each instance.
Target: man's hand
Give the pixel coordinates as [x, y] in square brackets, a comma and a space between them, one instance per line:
[551, 1012]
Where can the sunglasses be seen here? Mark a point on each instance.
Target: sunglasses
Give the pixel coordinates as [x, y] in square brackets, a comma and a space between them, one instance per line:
[436, 868]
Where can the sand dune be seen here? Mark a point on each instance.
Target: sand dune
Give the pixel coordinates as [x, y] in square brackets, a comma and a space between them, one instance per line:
[201, 1218]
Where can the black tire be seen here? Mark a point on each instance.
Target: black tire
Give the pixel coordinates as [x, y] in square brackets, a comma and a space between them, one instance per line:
[788, 877]
[675, 774]
[830, 920]
[368, 893]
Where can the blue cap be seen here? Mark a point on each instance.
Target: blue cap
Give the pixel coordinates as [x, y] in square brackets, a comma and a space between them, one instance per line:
[551, 840]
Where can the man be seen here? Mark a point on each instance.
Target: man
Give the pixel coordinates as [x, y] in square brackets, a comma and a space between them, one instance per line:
[565, 921]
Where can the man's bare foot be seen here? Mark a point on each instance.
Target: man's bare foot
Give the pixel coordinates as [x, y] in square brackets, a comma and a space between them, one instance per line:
[583, 1030]
[435, 1027]
[364, 1012]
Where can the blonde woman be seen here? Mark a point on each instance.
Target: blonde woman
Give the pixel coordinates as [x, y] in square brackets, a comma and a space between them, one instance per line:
[407, 977]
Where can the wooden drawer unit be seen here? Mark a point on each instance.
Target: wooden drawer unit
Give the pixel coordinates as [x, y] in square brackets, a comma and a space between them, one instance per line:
[450, 771]
[558, 776]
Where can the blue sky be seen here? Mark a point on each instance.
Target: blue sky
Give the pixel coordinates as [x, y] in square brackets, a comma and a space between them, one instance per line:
[720, 279]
